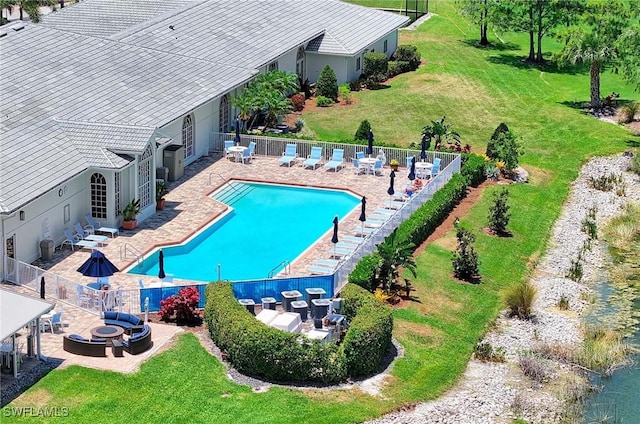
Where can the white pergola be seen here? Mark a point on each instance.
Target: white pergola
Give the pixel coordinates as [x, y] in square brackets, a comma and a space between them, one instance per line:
[16, 312]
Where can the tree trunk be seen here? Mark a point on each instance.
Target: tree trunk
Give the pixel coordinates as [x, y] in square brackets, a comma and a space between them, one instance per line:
[532, 52]
[539, 57]
[483, 35]
[596, 102]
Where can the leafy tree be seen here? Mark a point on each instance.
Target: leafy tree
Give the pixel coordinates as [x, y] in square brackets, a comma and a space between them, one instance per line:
[283, 82]
[29, 6]
[327, 84]
[439, 131]
[605, 36]
[395, 253]
[478, 11]
[376, 66]
[363, 131]
[516, 16]
[465, 258]
[491, 145]
[507, 150]
[499, 212]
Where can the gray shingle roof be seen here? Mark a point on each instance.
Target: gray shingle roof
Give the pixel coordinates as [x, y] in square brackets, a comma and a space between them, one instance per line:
[51, 74]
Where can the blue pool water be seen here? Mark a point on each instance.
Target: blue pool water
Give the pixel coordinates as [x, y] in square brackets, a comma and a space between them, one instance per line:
[269, 224]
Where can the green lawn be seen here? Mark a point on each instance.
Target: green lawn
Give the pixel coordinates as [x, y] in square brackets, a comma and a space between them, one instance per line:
[476, 89]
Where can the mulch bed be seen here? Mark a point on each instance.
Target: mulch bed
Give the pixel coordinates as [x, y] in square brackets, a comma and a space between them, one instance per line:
[199, 327]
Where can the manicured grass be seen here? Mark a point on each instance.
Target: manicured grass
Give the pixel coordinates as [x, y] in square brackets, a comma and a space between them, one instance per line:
[476, 89]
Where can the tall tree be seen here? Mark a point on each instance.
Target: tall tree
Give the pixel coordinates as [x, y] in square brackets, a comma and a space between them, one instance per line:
[31, 7]
[547, 15]
[479, 12]
[516, 16]
[606, 35]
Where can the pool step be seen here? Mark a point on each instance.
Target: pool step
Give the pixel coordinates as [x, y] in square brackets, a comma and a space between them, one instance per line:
[233, 192]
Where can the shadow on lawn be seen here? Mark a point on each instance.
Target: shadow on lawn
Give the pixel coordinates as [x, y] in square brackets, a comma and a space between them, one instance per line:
[492, 46]
[548, 66]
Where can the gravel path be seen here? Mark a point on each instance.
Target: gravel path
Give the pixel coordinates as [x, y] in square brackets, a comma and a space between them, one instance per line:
[488, 392]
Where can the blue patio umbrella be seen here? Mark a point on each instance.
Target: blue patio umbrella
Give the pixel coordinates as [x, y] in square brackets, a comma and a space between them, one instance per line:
[161, 273]
[412, 170]
[97, 266]
[237, 137]
[390, 190]
[363, 207]
[334, 239]
[42, 287]
[370, 142]
[423, 148]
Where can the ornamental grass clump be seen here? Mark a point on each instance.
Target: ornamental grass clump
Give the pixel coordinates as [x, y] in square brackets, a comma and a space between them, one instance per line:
[519, 300]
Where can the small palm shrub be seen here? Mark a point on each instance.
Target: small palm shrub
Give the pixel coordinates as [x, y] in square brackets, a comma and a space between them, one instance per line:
[395, 252]
[491, 172]
[323, 101]
[327, 84]
[519, 300]
[499, 215]
[465, 258]
[363, 131]
[299, 124]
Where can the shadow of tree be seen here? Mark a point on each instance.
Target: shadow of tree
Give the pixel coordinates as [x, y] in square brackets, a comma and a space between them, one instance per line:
[493, 46]
[548, 66]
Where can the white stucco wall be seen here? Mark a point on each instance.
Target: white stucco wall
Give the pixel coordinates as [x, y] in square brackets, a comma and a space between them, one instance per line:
[316, 63]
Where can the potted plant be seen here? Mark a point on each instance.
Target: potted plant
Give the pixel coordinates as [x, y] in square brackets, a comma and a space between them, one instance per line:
[129, 213]
[161, 190]
[394, 164]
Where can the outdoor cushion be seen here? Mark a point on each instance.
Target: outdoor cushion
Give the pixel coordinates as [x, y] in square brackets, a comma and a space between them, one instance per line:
[98, 340]
[111, 315]
[135, 320]
[77, 337]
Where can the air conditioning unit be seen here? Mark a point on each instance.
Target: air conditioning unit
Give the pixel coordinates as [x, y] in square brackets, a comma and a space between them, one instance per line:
[162, 173]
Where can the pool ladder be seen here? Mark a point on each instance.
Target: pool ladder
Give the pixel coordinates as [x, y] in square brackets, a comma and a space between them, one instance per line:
[287, 268]
[133, 251]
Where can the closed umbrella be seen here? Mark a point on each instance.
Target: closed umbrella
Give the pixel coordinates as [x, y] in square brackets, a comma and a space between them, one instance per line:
[363, 207]
[370, 142]
[42, 287]
[237, 137]
[390, 190]
[334, 239]
[423, 148]
[161, 273]
[97, 266]
[412, 170]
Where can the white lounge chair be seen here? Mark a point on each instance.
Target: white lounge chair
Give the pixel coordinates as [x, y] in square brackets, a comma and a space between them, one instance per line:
[97, 228]
[320, 270]
[337, 160]
[73, 241]
[86, 235]
[314, 159]
[289, 155]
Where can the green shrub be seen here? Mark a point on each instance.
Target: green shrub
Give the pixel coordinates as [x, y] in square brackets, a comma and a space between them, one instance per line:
[323, 101]
[635, 164]
[407, 53]
[297, 100]
[486, 352]
[628, 112]
[363, 131]
[465, 258]
[473, 168]
[364, 274]
[608, 183]
[590, 225]
[563, 302]
[506, 149]
[519, 299]
[345, 93]
[491, 145]
[376, 66]
[327, 84]
[368, 339]
[395, 68]
[299, 124]
[499, 212]
[575, 270]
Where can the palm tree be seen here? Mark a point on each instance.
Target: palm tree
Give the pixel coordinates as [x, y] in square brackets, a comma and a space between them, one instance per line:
[439, 131]
[32, 7]
[246, 105]
[394, 254]
[283, 82]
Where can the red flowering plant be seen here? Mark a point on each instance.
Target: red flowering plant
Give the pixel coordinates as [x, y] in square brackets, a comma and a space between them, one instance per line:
[181, 307]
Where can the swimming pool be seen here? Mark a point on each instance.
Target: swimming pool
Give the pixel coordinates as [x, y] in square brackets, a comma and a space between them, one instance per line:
[269, 224]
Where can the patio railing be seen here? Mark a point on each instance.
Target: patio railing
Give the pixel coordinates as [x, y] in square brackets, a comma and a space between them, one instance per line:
[275, 146]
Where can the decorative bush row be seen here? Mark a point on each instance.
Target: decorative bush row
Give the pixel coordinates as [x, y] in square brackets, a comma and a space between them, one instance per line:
[423, 222]
[257, 349]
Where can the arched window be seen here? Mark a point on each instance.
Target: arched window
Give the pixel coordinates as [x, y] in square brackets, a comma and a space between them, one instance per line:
[144, 178]
[188, 135]
[300, 63]
[224, 114]
[98, 196]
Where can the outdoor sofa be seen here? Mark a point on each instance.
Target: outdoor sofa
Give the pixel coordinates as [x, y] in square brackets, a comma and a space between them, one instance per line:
[79, 345]
[138, 342]
[131, 323]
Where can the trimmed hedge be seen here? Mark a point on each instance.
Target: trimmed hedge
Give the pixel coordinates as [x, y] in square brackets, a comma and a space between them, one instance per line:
[369, 337]
[423, 222]
[257, 349]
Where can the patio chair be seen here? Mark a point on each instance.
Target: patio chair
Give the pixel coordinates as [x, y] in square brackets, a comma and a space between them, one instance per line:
[337, 160]
[315, 158]
[252, 149]
[227, 144]
[436, 167]
[359, 155]
[289, 155]
[55, 321]
[329, 263]
[377, 167]
[357, 168]
[84, 300]
[86, 235]
[320, 270]
[97, 228]
[246, 156]
[73, 241]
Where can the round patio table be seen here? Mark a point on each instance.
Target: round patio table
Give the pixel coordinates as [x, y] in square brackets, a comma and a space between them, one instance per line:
[237, 151]
[107, 332]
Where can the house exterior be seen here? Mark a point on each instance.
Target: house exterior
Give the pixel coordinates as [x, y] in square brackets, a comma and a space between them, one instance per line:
[94, 95]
